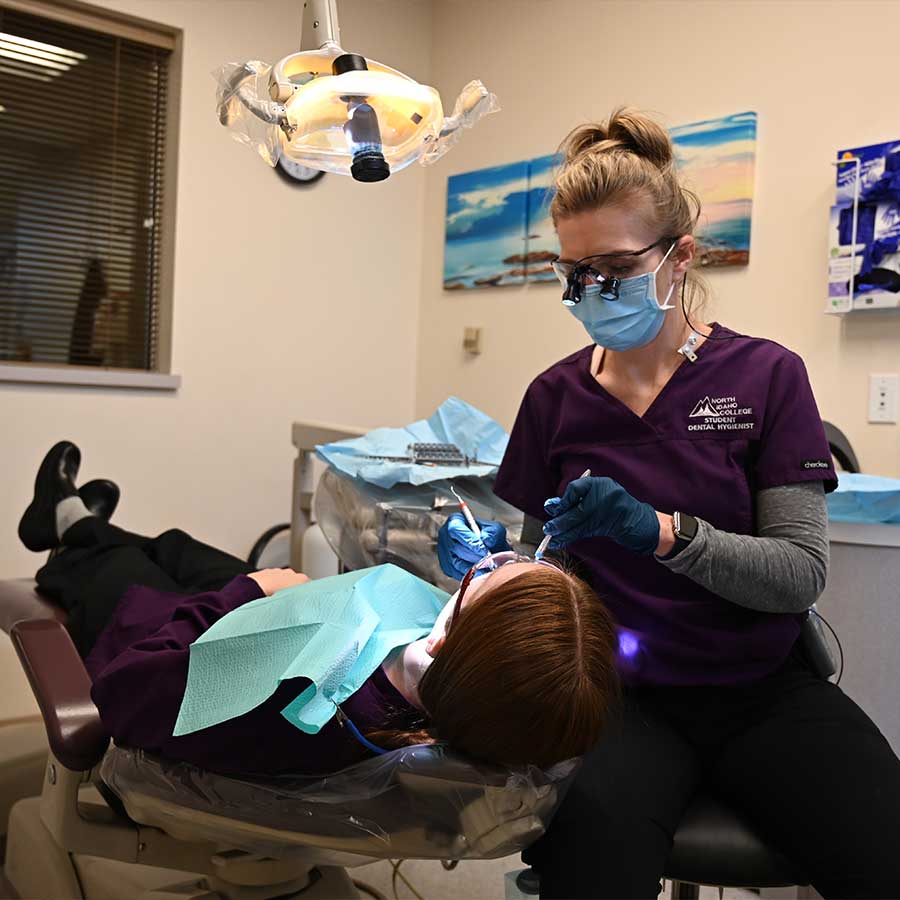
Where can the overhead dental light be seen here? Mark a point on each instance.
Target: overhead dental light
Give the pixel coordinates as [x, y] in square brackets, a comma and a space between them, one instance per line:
[340, 112]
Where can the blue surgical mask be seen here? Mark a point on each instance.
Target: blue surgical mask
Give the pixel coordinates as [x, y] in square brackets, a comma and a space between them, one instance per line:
[634, 319]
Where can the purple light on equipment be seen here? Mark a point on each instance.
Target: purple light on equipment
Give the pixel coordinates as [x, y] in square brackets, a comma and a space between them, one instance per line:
[628, 644]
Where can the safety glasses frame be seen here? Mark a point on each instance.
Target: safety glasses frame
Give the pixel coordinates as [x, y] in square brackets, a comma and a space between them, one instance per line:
[574, 276]
[492, 562]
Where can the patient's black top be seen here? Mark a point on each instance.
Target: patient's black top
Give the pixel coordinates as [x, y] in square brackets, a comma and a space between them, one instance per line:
[139, 670]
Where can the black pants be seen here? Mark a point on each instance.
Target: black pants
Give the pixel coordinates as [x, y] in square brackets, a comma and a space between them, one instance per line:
[792, 752]
[100, 561]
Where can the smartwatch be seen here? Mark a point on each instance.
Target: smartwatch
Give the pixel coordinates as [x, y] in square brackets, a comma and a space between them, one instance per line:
[685, 528]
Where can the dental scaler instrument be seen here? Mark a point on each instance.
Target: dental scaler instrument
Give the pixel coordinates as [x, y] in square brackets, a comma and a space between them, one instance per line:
[542, 547]
[467, 513]
[470, 519]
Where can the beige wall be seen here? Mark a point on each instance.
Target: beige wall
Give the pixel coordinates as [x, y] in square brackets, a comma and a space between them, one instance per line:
[807, 68]
[288, 304]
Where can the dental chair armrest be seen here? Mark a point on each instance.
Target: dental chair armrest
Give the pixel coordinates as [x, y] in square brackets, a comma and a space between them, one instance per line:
[62, 688]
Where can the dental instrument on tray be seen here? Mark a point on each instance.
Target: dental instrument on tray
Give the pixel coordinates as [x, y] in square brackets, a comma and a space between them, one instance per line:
[434, 454]
[542, 547]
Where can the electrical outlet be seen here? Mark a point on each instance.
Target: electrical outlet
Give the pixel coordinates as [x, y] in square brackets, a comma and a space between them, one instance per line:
[883, 395]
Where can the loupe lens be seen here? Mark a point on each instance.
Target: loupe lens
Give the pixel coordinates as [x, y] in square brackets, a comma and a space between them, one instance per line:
[572, 294]
[609, 289]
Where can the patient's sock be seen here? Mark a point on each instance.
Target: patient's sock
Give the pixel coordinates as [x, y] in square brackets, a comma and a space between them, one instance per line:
[68, 512]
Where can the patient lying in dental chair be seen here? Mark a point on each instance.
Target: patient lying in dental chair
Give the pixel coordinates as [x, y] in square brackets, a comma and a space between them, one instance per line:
[520, 671]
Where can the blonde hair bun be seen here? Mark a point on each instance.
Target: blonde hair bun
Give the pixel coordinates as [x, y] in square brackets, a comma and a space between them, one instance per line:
[626, 129]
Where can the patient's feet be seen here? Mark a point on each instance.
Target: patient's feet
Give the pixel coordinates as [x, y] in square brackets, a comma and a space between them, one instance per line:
[101, 497]
[55, 481]
[58, 504]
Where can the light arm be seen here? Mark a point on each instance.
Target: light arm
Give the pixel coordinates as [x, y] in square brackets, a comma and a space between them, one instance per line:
[320, 25]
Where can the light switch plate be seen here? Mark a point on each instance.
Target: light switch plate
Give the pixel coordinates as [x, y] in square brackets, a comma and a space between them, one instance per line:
[472, 340]
[884, 391]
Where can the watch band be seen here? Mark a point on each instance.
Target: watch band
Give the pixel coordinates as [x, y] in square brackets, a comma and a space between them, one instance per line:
[685, 528]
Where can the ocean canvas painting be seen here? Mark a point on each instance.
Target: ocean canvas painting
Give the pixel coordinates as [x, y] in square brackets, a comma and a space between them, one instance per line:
[541, 244]
[486, 227]
[498, 226]
[715, 159]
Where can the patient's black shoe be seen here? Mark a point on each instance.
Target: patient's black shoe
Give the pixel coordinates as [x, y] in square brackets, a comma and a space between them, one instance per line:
[54, 482]
[101, 497]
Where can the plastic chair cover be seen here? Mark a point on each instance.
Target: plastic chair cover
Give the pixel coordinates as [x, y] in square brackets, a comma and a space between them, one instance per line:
[425, 802]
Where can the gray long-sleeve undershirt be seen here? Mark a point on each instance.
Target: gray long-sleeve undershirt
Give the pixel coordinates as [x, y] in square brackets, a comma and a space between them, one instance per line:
[781, 569]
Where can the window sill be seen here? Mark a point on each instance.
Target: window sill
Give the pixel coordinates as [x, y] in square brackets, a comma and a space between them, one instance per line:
[88, 376]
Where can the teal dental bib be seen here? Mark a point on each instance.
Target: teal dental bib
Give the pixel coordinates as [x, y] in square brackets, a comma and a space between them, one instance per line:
[334, 631]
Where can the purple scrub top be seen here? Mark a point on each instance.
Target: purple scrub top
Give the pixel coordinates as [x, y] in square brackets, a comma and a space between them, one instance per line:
[739, 419]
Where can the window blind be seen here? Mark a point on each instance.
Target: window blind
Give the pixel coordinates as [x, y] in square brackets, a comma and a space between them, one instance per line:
[82, 156]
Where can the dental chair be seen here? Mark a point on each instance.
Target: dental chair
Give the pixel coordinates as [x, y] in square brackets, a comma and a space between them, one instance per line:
[107, 823]
[112, 822]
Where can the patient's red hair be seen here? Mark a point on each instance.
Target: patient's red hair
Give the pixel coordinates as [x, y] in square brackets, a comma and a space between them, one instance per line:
[526, 674]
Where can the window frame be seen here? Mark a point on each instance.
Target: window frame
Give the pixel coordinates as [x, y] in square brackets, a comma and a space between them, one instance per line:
[132, 28]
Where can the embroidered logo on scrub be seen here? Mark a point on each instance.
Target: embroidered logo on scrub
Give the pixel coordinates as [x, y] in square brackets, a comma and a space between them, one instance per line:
[720, 414]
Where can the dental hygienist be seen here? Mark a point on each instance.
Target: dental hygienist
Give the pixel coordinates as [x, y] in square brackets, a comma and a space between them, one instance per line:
[704, 530]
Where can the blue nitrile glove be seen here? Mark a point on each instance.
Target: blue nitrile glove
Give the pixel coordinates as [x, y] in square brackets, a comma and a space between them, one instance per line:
[601, 507]
[459, 548]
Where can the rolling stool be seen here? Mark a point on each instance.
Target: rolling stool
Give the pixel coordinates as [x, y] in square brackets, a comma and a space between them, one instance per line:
[713, 845]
